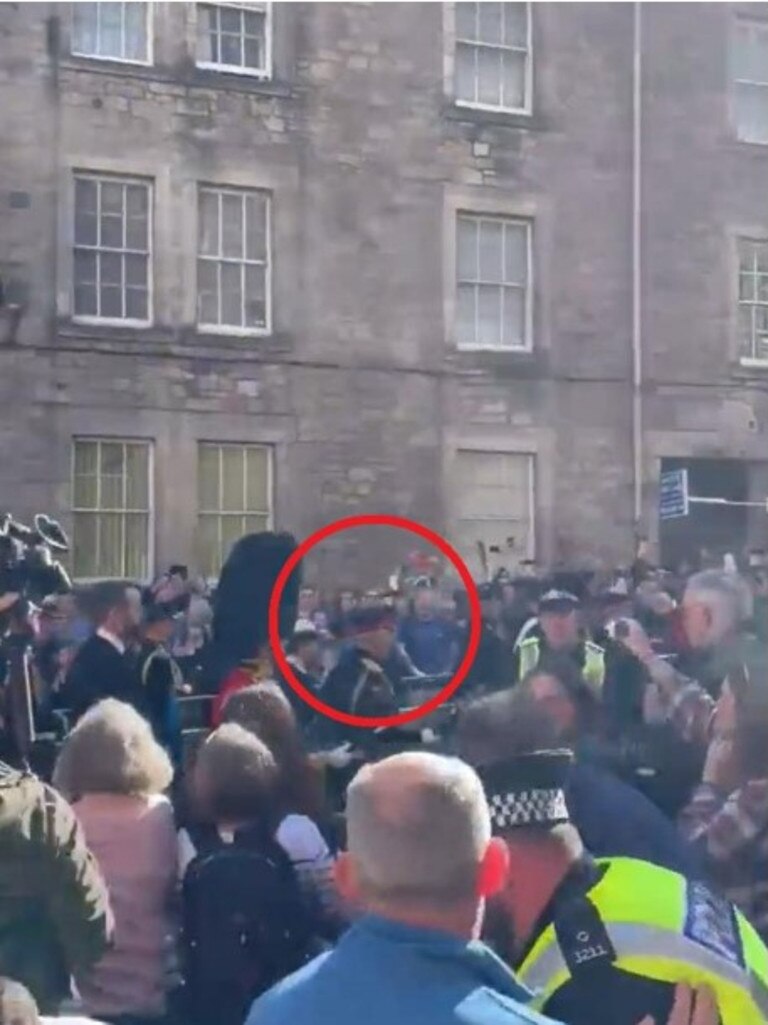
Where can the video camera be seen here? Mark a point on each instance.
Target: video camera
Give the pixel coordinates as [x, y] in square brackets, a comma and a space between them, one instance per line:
[27, 565]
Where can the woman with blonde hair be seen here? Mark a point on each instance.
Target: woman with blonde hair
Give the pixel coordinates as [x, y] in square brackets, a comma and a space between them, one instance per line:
[115, 773]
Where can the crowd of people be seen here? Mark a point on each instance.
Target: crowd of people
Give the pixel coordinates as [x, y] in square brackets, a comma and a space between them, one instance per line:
[579, 836]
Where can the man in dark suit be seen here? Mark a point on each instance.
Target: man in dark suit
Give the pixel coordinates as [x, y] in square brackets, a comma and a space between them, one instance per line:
[103, 668]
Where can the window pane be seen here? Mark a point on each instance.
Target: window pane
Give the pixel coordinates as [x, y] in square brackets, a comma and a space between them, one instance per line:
[86, 228]
[137, 546]
[490, 22]
[230, 20]
[86, 457]
[762, 288]
[516, 25]
[514, 80]
[515, 254]
[491, 261]
[257, 478]
[136, 236]
[747, 287]
[207, 47]
[254, 56]
[111, 267]
[208, 477]
[231, 295]
[208, 224]
[231, 50]
[465, 326]
[111, 457]
[110, 29]
[255, 300]
[136, 31]
[86, 304]
[112, 232]
[111, 544]
[514, 318]
[466, 249]
[84, 544]
[111, 198]
[489, 76]
[256, 227]
[489, 317]
[746, 331]
[255, 524]
[762, 257]
[466, 72]
[111, 301]
[85, 267]
[232, 226]
[136, 271]
[207, 292]
[751, 102]
[137, 477]
[208, 554]
[136, 304]
[232, 529]
[233, 468]
[84, 28]
[86, 189]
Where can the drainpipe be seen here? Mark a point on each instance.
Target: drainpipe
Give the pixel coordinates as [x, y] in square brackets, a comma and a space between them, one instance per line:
[637, 326]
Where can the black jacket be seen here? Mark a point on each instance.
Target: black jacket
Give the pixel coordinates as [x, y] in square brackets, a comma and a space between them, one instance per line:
[100, 671]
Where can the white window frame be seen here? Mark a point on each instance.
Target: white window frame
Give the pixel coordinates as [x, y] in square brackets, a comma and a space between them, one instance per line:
[744, 360]
[527, 107]
[228, 329]
[526, 223]
[241, 446]
[150, 511]
[147, 62]
[755, 24]
[80, 318]
[263, 74]
[531, 460]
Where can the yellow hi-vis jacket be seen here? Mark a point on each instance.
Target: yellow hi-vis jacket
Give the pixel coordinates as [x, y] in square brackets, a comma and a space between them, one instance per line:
[594, 661]
[652, 922]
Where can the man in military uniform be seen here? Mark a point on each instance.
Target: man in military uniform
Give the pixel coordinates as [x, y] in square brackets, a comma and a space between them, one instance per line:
[359, 685]
[603, 942]
[160, 676]
[559, 635]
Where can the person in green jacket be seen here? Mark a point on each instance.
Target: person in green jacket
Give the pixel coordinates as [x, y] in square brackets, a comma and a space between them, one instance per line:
[55, 917]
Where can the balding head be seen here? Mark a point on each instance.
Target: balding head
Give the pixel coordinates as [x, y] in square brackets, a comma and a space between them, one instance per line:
[418, 831]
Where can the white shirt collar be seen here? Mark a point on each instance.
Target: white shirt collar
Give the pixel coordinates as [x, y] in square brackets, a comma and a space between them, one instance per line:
[112, 639]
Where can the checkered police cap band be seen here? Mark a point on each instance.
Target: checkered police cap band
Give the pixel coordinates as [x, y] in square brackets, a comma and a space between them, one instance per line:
[528, 807]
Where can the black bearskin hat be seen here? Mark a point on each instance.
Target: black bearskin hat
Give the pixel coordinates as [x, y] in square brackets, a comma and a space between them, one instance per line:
[241, 603]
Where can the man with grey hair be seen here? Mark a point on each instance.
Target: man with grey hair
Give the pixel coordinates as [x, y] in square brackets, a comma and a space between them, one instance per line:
[420, 865]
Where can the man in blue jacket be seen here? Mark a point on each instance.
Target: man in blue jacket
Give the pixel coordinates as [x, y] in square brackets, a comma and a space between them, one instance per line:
[420, 864]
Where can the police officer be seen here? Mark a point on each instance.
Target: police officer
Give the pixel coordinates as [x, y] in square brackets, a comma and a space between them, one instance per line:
[604, 942]
[159, 674]
[359, 684]
[559, 634]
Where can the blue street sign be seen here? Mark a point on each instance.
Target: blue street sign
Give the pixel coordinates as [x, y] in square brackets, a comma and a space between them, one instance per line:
[673, 495]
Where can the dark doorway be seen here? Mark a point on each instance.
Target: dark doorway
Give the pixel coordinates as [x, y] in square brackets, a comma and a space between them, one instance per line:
[716, 529]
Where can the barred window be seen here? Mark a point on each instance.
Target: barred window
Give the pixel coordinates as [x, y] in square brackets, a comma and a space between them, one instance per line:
[233, 265]
[234, 498]
[112, 31]
[112, 251]
[753, 300]
[493, 55]
[112, 508]
[234, 37]
[493, 283]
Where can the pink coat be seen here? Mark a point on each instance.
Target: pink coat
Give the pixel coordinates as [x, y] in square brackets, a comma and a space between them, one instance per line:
[134, 841]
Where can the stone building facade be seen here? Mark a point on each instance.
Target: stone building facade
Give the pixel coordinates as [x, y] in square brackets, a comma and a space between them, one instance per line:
[606, 160]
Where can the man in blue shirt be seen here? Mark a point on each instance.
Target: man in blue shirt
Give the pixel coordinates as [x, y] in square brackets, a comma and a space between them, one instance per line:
[420, 864]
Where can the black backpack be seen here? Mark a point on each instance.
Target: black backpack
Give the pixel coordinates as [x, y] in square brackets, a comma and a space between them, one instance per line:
[245, 924]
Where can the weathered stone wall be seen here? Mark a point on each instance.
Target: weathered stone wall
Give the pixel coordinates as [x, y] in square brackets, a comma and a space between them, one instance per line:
[360, 388]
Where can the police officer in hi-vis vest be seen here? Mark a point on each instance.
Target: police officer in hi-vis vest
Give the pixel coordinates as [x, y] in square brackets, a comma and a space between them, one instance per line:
[603, 942]
[559, 634]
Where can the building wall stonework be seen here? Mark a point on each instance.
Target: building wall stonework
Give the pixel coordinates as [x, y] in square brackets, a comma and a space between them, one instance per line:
[359, 386]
